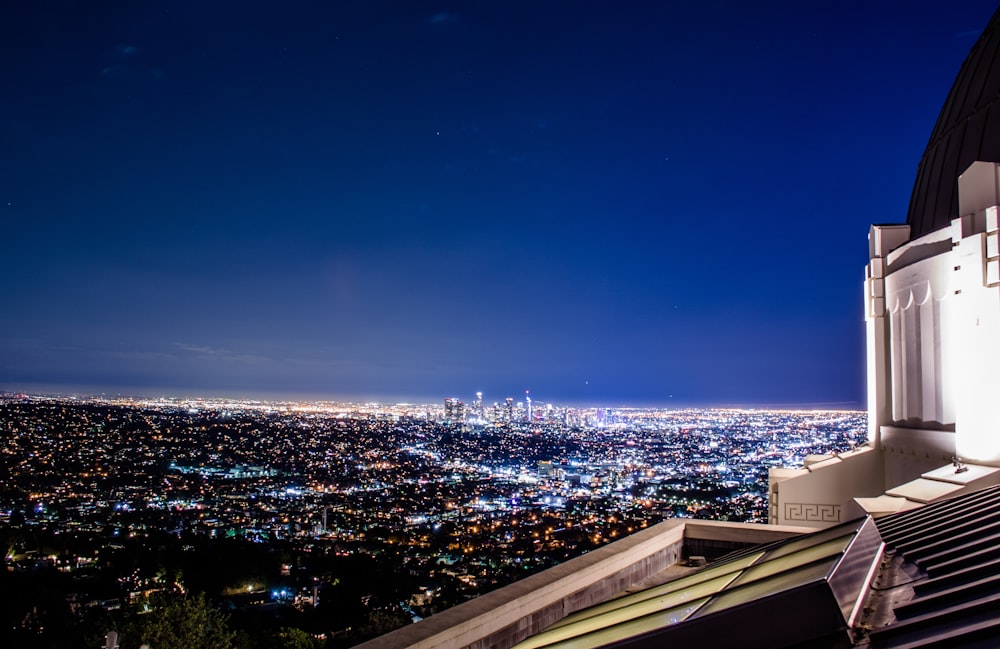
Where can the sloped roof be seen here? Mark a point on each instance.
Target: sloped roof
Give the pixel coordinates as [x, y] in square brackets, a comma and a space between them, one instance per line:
[939, 583]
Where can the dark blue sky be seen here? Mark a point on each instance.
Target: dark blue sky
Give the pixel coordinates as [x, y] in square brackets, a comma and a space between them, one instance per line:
[602, 202]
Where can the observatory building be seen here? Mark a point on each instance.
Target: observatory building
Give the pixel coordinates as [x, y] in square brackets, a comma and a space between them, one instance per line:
[894, 544]
[932, 317]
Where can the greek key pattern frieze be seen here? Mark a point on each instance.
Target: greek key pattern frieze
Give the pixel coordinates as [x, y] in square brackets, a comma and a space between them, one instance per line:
[812, 512]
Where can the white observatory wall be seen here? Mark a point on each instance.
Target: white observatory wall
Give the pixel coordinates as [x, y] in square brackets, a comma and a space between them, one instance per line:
[932, 311]
[936, 358]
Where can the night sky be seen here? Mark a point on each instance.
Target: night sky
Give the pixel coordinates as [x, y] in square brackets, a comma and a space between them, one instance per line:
[607, 203]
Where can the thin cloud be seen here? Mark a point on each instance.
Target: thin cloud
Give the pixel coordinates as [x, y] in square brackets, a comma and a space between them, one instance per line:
[203, 350]
[220, 354]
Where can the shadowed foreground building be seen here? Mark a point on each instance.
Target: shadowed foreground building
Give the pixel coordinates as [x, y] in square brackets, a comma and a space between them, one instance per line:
[897, 543]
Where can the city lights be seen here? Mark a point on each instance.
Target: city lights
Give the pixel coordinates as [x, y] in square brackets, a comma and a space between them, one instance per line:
[460, 501]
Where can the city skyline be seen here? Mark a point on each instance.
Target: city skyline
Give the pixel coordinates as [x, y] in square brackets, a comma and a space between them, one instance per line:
[602, 204]
[499, 404]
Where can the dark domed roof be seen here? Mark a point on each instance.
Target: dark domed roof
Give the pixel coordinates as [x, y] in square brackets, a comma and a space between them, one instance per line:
[967, 130]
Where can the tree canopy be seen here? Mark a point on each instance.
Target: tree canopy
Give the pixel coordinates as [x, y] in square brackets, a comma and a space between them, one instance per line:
[185, 623]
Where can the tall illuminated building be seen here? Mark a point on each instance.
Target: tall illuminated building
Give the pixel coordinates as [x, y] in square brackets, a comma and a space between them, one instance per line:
[508, 405]
[454, 410]
[527, 402]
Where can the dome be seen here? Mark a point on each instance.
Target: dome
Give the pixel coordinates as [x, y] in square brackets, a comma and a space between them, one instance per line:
[967, 130]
